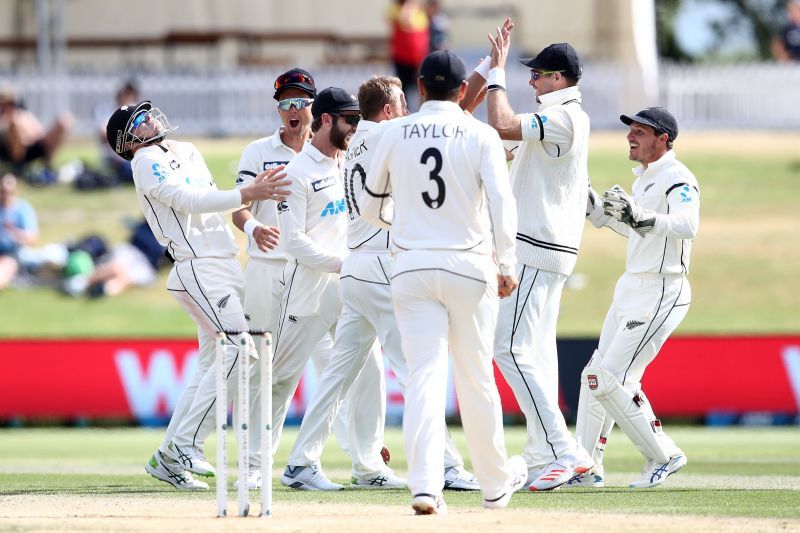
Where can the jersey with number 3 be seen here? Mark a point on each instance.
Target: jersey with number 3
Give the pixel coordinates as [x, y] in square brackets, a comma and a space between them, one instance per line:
[447, 176]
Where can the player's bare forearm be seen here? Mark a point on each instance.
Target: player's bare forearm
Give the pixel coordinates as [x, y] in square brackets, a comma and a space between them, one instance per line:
[475, 85]
[502, 117]
[241, 217]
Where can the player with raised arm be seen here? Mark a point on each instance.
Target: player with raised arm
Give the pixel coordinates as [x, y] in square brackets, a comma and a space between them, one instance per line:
[184, 209]
[549, 177]
[439, 180]
[660, 219]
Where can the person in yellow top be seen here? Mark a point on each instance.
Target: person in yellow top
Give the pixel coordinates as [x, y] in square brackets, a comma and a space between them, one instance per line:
[409, 42]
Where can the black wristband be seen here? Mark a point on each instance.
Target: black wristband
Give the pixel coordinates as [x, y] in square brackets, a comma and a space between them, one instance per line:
[495, 87]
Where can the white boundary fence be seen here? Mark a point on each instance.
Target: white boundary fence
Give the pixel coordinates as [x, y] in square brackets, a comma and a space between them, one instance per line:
[759, 96]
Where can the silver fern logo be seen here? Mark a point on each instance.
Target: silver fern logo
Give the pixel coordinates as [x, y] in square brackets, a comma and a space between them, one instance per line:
[632, 324]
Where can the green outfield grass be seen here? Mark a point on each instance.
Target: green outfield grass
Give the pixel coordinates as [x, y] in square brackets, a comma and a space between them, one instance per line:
[736, 472]
[744, 262]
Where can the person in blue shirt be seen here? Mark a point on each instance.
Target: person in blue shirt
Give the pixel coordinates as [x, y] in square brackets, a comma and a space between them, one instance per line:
[18, 228]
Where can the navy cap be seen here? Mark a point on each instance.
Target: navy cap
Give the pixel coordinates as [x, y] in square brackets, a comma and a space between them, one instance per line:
[657, 118]
[296, 78]
[558, 56]
[442, 69]
[333, 100]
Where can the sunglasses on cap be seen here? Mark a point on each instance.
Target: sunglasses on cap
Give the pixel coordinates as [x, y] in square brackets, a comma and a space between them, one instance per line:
[298, 103]
[293, 77]
[536, 74]
[351, 120]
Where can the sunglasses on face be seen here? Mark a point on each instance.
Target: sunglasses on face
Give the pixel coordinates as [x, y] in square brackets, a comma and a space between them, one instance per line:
[298, 103]
[536, 74]
[351, 120]
[294, 77]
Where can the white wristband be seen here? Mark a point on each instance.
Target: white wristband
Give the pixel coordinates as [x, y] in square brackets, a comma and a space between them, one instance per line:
[497, 76]
[251, 225]
[483, 67]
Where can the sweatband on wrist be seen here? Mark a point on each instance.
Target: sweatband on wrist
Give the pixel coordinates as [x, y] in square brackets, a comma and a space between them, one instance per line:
[497, 76]
[483, 67]
[251, 225]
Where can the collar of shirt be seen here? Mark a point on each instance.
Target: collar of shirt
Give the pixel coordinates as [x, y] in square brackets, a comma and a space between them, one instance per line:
[311, 151]
[559, 97]
[365, 125]
[440, 105]
[656, 166]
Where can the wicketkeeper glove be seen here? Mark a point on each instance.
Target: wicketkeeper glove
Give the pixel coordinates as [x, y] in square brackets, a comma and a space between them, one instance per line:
[617, 204]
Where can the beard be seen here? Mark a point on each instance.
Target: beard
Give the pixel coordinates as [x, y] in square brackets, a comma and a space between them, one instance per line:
[339, 138]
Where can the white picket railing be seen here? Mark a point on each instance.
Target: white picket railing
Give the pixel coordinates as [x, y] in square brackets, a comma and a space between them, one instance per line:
[762, 96]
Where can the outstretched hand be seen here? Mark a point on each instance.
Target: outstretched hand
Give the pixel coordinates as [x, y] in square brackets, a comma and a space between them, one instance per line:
[269, 185]
[500, 44]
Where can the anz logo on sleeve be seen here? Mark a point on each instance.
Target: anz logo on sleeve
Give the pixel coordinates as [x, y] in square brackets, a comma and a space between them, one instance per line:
[334, 208]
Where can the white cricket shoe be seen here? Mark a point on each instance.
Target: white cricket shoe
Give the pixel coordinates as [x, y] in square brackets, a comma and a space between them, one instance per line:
[459, 478]
[254, 478]
[429, 504]
[191, 458]
[164, 469]
[654, 473]
[307, 478]
[519, 475]
[593, 479]
[552, 475]
[385, 479]
[533, 474]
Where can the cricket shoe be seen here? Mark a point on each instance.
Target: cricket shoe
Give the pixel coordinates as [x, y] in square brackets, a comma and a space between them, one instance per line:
[459, 478]
[307, 478]
[254, 478]
[164, 469]
[519, 475]
[191, 458]
[562, 470]
[533, 474]
[385, 479]
[428, 504]
[655, 473]
[593, 479]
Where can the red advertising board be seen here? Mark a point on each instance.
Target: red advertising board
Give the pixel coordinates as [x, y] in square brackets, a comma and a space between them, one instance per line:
[142, 379]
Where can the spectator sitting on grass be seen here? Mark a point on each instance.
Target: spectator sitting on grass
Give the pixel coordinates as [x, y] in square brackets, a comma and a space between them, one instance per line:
[18, 228]
[24, 140]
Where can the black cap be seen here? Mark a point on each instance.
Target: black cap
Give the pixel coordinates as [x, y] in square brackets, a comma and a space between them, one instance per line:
[442, 69]
[558, 56]
[296, 78]
[119, 125]
[333, 100]
[657, 118]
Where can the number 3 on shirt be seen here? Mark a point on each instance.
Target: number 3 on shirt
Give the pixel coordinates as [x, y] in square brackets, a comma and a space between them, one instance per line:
[434, 203]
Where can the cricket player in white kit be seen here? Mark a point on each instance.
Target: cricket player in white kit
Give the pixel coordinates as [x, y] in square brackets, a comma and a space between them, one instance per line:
[367, 311]
[184, 209]
[294, 91]
[444, 176]
[660, 218]
[550, 178]
[313, 232]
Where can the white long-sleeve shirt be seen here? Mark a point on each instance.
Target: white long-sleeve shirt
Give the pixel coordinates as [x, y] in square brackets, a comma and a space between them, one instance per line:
[258, 156]
[181, 202]
[312, 219]
[670, 190]
[361, 235]
[445, 175]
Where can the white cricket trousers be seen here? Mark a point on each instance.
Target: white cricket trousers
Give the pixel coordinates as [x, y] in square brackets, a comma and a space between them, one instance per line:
[299, 331]
[441, 299]
[211, 291]
[367, 315]
[525, 351]
[644, 312]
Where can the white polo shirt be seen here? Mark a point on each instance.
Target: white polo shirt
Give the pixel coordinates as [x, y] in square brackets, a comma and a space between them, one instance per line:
[181, 202]
[258, 156]
[361, 235]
